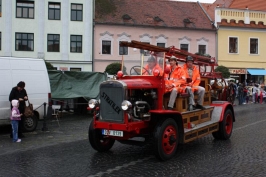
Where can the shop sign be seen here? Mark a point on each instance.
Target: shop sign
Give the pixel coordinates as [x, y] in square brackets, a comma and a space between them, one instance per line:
[63, 68]
[238, 71]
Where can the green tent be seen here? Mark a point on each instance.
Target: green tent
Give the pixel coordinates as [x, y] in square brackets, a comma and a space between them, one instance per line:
[74, 84]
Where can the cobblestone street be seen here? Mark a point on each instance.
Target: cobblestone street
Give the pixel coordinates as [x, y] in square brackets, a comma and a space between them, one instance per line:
[65, 151]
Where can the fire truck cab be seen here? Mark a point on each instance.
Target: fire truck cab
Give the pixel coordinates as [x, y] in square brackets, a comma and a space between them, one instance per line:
[134, 103]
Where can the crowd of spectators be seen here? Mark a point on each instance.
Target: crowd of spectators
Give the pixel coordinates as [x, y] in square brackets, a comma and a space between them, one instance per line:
[250, 93]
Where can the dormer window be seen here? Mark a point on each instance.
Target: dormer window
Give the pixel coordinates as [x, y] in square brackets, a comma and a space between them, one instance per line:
[126, 17]
[157, 19]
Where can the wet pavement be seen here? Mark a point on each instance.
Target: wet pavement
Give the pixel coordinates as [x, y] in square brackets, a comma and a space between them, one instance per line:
[65, 151]
[72, 128]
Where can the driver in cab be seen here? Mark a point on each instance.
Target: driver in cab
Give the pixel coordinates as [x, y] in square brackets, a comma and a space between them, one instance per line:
[152, 67]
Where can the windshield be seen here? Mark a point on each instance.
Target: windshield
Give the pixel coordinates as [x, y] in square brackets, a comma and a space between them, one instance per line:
[143, 62]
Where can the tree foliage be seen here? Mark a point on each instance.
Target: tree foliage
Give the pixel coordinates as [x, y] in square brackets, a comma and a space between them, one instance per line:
[205, 55]
[113, 68]
[104, 7]
[49, 66]
[224, 70]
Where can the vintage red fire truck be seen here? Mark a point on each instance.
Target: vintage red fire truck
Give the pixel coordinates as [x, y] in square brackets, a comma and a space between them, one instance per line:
[131, 108]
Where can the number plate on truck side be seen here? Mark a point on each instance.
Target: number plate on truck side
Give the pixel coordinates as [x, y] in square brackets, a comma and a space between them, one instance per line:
[112, 132]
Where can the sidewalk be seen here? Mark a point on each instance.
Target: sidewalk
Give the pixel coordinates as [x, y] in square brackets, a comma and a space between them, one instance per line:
[72, 128]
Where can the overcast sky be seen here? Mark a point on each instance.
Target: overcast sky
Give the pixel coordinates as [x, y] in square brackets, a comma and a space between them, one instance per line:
[205, 1]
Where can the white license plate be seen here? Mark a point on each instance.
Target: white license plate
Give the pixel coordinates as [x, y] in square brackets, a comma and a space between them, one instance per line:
[112, 132]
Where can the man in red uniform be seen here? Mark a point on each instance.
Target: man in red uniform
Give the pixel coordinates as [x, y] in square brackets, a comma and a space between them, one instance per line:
[151, 67]
[192, 72]
[174, 80]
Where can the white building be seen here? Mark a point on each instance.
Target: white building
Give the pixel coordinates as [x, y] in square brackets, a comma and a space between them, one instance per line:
[59, 31]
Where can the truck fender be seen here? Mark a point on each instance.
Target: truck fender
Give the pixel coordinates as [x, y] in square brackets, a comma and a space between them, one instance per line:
[220, 109]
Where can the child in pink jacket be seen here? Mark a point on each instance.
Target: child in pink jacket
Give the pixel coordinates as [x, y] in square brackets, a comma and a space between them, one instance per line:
[15, 118]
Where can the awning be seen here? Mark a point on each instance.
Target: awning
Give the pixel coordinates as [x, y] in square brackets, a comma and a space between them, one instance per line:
[257, 71]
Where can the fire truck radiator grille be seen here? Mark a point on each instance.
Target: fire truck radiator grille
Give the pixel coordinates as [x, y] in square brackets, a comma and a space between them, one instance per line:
[111, 97]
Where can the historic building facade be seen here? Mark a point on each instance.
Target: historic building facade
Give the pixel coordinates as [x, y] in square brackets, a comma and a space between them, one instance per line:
[242, 42]
[241, 39]
[180, 24]
[58, 31]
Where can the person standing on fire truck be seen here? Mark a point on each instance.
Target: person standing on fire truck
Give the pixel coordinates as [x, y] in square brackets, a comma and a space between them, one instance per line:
[174, 80]
[193, 78]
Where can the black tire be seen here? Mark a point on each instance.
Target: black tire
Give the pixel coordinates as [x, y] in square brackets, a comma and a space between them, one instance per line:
[98, 141]
[165, 139]
[29, 124]
[225, 127]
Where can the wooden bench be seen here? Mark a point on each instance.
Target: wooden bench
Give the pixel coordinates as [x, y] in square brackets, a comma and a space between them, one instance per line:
[181, 103]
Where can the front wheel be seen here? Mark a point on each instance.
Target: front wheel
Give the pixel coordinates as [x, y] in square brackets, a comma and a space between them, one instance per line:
[166, 139]
[98, 141]
[29, 124]
[225, 127]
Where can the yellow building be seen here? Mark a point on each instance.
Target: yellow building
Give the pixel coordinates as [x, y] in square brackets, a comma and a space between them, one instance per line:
[241, 43]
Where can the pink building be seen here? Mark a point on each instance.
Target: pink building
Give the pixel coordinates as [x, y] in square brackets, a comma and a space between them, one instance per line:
[184, 25]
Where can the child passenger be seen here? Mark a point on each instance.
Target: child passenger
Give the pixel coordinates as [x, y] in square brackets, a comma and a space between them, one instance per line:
[15, 118]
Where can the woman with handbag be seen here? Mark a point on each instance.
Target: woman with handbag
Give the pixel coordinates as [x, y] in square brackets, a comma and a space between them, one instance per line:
[19, 93]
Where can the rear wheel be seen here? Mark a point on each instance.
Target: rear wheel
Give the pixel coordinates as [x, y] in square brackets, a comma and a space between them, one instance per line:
[29, 124]
[166, 139]
[98, 141]
[225, 127]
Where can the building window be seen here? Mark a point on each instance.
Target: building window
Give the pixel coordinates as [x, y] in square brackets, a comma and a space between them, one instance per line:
[75, 69]
[0, 8]
[76, 12]
[76, 43]
[161, 44]
[24, 41]
[184, 47]
[202, 49]
[123, 50]
[253, 46]
[106, 47]
[25, 9]
[145, 52]
[233, 42]
[54, 11]
[53, 43]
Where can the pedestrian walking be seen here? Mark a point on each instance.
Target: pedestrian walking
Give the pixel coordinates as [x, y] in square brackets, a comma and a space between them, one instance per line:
[245, 95]
[240, 94]
[255, 93]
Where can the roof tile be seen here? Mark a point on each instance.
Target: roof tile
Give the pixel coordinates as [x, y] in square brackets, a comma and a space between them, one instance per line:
[172, 14]
[252, 5]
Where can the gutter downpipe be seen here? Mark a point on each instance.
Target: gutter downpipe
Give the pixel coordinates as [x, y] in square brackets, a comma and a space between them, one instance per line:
[93, 26]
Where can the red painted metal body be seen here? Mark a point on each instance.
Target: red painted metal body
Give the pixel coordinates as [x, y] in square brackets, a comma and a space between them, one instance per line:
[132, 128]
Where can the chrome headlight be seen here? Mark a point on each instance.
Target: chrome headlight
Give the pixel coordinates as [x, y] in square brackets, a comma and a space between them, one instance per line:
[126, 105]
[93, 103]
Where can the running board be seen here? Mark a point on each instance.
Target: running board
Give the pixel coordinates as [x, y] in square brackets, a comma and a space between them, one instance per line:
[198, 123]
[200, 130]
